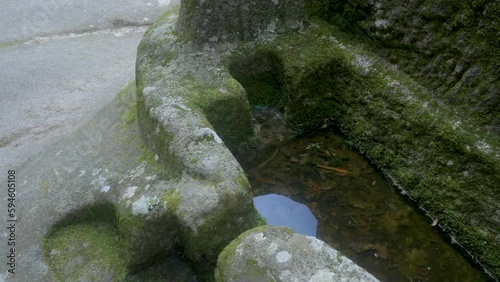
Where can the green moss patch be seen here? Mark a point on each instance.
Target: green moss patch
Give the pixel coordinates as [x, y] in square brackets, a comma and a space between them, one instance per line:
[85, 252]
[9, 44]
[450, 46]
[219, 227]
[226, 257]
[225, 107]
[172, 199]
[261, 74]
[85, 245]
[130, 115]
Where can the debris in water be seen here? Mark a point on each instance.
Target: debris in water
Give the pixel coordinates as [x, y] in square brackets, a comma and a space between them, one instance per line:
[340, 171]
[316, 187]
[382, 251]
[435, 222]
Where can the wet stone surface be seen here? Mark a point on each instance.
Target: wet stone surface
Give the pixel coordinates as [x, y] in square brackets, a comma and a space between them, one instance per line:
[358, 213]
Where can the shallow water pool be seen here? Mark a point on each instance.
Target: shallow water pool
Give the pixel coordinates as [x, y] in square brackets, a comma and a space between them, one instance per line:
[358, 212]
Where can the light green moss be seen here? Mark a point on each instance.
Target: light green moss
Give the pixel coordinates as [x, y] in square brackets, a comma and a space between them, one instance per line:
[125, 97]
[165, 17]
[225, 108]
[217, 231]
[130, 115]
[174, 11]
[227, 255]
[172, 199]
[85, 251]
[242, 181]
[9, 44]
[44, 186]
[128, 224]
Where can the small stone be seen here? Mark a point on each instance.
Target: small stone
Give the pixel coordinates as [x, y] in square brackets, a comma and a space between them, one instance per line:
[382, 251]
[423, 271]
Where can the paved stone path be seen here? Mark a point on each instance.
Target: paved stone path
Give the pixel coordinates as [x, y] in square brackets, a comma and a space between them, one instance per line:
[60, 62]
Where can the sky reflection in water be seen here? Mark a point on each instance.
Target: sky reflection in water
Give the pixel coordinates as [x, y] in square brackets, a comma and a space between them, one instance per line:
[283, 211]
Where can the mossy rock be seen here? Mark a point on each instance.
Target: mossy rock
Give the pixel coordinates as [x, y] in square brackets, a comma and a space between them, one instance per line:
[272, 253]
[449, 46]
[86, 252]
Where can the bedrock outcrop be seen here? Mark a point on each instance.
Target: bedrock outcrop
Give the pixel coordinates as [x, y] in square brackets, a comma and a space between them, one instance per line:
[82, 192]
[105, 208]
[449, 46]
[134, 192]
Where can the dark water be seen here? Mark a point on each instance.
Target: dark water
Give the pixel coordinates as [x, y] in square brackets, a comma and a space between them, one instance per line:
[358, 213]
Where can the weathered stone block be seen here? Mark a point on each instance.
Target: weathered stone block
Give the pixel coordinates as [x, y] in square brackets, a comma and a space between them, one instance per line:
[270, 253]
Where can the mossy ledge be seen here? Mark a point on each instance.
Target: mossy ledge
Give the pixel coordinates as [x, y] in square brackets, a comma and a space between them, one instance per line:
[449, 46]
[86, 251]
[189, 116]
[92, 234]
[99, 238]
[227, 255]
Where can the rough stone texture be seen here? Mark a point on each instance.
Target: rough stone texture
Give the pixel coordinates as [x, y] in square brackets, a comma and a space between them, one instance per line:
[450, 46]
[271, 253]
[26, 19]
[187, 188]
[442, 161]
[103, 207]
[446, 161]
[181, 81]
[223, 21]
[187, 106]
